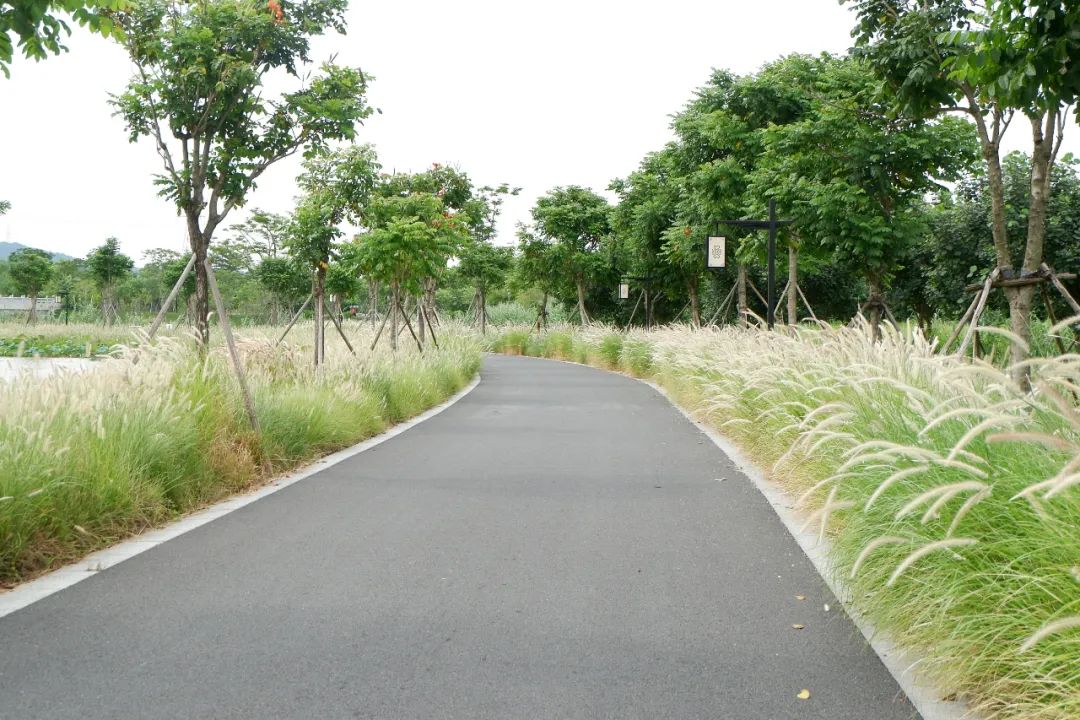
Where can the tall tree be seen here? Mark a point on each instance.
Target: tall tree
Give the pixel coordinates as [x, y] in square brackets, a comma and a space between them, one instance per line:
[854, 177]
[108, 268]
[987, 60]
[412, 236]
[201, 72]
[485, 266]
[311, 240]
[30, 270]
[262, 234]
[575, 220]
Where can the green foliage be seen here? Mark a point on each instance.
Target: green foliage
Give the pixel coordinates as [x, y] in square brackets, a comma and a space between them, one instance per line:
[107, 265]
[414, 228]
[485, 265]
[30, 270]
[852, 176]
[38, 27]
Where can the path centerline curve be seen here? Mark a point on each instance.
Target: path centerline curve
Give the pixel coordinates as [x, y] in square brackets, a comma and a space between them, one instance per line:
[554, 545]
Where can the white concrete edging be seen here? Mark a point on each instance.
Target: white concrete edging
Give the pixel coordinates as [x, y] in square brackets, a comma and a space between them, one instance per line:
[30, 592]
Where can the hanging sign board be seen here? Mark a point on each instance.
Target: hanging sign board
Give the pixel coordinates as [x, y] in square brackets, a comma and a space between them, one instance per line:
[624, 291]
[715, 252]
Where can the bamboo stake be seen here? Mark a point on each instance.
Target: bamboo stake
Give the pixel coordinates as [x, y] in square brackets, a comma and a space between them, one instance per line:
[341, 332]
[1061, 288]
[983, 297]
[383, 325]
[431, 328]
[409, 325]
[806, 302]
[757, 292]
[724, 305]
[293, 321]
[960, 325]
[634, 311]
[172, 296]
[226, 330]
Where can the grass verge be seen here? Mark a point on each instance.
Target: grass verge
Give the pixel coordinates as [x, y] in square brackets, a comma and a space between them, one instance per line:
[951, 496]
[88, 459]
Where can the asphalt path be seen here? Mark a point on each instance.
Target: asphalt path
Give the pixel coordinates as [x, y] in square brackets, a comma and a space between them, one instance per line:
[561, 543]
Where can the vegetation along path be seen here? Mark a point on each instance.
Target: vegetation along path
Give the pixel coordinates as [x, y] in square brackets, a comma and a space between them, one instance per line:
[558, 544]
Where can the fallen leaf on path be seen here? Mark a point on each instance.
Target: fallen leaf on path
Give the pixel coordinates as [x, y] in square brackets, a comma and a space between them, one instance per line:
[804, 695]
[797, 626]
[800, 597]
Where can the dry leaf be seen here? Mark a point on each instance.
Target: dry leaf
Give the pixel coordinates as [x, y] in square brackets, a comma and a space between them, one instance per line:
[800, 597]
[804, 695]
[797, 626]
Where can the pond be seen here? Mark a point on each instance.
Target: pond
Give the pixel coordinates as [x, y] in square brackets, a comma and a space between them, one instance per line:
[12, 368]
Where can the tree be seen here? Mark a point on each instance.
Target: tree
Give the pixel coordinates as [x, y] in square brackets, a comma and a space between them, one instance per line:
[4, 207]
[485, 266]
[286, 282]
[108, 268]
[538, 265]
[647, 208]
[200, 75]
[30, 270]
[854, 177]
[311, 240]
[411, 238]
[262, 234]
[38, 26]
[986, 60]
[574, 220]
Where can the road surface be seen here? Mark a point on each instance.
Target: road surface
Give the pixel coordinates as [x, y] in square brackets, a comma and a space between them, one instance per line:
[558, 544]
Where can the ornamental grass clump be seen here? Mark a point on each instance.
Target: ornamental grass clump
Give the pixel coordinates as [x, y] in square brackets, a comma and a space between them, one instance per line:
[950, 495]
[157, 431]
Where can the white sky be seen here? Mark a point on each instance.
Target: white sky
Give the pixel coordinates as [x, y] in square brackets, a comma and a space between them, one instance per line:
[554, 93]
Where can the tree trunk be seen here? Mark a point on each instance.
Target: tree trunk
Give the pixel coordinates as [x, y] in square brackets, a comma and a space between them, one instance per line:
[580, 282]
[793, 285]
[373, 299]
[741, 292]
[875, 305]
[199, 246]
[318, 293]
[395, 297]
[31, 317]
[544, 310]
[695, 303]
[482, 298]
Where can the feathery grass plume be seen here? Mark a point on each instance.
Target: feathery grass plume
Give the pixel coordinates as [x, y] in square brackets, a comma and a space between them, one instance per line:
[871, 547]
[914, 557]
[1049, 629]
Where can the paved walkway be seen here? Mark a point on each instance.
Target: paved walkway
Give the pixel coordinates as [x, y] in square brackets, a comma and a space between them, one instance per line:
[555, 545]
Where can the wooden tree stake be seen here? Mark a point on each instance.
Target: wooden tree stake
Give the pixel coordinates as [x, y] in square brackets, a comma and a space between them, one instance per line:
[294, 319]
[979, 307]
[341, 332]
[172, 297]
[226, 330]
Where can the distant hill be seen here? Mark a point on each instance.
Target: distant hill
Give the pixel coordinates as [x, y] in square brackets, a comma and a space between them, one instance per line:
[6, 248]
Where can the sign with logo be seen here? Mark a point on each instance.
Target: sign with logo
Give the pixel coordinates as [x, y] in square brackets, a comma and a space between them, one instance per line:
[716, 252]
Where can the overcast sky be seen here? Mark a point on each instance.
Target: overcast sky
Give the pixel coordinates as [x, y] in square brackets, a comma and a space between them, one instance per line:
[555, 93]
